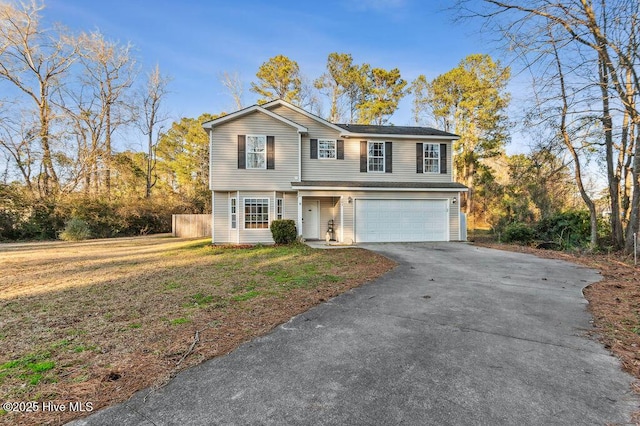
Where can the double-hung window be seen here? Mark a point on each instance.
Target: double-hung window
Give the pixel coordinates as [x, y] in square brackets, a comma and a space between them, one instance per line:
[375, 157]
[327, 148]
[431, 158]
[233, 212]
[279, 208]
[256, 152]
[256, 213]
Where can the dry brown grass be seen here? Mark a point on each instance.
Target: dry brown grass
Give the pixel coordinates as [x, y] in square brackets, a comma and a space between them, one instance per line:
[96, 321]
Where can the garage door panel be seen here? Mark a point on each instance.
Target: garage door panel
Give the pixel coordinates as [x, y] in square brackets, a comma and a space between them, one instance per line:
[401, 220]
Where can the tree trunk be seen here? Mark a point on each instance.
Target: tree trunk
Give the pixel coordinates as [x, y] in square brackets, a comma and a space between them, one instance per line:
[632, 227]
[49, 173]
[612, 177]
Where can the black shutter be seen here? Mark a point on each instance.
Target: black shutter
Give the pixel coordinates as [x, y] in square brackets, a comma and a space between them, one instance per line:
[419, 158]
[314, 149]
[340, 149]
[242, 152]
[363, 156]
[271, 152]
[443, 158]
[388, 157]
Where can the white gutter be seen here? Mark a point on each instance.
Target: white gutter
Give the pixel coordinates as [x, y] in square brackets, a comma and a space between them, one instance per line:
[393, 136]
[368, 188]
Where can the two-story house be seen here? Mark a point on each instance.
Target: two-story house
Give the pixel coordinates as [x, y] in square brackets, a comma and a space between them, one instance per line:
[360, 183]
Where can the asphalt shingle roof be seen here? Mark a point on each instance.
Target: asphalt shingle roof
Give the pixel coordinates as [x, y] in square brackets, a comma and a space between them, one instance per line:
[394, 130]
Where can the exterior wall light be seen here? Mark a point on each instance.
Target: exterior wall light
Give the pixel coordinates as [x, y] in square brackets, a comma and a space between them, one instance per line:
[349, 200]
[454, 200]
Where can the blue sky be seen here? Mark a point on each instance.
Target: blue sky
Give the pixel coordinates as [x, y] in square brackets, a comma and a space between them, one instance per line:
[195, 41]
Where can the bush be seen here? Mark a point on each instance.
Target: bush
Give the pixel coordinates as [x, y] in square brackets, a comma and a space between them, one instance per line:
[568, 229]
[283, 231]
[75, 230]
[518, 232]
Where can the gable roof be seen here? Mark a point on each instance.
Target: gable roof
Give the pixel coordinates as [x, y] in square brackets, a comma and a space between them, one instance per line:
[279, 102]
[369, 129]
[346, 130]
[254, 108]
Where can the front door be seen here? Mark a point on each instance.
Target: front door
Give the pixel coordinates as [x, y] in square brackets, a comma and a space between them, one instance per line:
[310, 218]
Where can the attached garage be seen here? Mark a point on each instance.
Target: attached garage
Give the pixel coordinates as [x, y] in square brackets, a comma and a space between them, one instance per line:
[387, 220]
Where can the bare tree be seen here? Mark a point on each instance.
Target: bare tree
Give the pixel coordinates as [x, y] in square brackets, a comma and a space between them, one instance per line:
[233, 83]
[605, 30]
[109, 69]
[35, 61]
[151, 118]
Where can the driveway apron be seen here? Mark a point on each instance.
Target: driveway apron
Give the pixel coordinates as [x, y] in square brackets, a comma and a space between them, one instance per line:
[456, 334]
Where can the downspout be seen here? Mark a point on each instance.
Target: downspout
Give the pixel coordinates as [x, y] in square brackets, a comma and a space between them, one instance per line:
[213, 199]
[299, 157]
[299, 180]
[341, 219]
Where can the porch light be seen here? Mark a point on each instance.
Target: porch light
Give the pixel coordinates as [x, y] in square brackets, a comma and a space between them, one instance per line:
[454, 200]
[349, 200]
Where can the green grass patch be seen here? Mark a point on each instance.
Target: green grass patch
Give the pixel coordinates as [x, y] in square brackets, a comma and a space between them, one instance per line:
[171, 285]
[178, 321]
[201, 299]
[29, 369]
[135, 325]
[246, 296]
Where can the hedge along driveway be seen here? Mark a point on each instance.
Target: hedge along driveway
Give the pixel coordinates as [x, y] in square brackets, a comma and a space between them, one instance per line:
[97, 320]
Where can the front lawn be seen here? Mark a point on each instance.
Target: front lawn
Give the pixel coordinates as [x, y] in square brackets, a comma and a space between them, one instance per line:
[98, 320]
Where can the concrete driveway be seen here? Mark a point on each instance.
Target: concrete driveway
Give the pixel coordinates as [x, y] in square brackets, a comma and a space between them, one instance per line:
[456, 334]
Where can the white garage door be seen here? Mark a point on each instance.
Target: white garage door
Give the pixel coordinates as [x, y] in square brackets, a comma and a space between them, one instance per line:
[401, 220]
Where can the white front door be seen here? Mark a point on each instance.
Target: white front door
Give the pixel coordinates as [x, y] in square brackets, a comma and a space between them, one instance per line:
[310, 220]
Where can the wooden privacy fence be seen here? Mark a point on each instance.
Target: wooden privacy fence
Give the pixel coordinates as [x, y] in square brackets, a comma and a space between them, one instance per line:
[191, 225]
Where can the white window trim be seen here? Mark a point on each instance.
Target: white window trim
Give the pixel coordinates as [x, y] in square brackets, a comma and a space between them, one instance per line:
[246, 154]
[384, 159]
[279, 208]
[424, 158]
[334, 149]
[233, 203]
[265, 201]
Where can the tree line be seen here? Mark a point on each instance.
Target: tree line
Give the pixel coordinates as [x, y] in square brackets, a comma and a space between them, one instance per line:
[69, 95]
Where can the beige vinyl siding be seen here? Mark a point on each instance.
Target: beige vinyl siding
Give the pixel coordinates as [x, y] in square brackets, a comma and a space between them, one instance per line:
[222, 232]
[291, 206]
[403, 163]
[404, 156]
[225, 175]
[349, 208]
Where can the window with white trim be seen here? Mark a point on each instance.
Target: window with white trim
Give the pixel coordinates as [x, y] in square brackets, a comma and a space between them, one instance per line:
[375, 156]
[279, 208]
[256, 213]
[327, 148]
[233, 213]
[431, 158]
[256, 152]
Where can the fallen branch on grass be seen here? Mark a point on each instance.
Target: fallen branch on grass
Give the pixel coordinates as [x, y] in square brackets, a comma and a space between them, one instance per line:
[196, 339]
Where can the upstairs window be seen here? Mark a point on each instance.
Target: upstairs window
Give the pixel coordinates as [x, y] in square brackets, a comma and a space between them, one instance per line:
[431, 158]
[256, 152]
[326, 148]
[375, 157]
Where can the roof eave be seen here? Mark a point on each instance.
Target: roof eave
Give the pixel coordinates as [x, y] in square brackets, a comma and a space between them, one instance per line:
[397, 136]
[255, 108]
